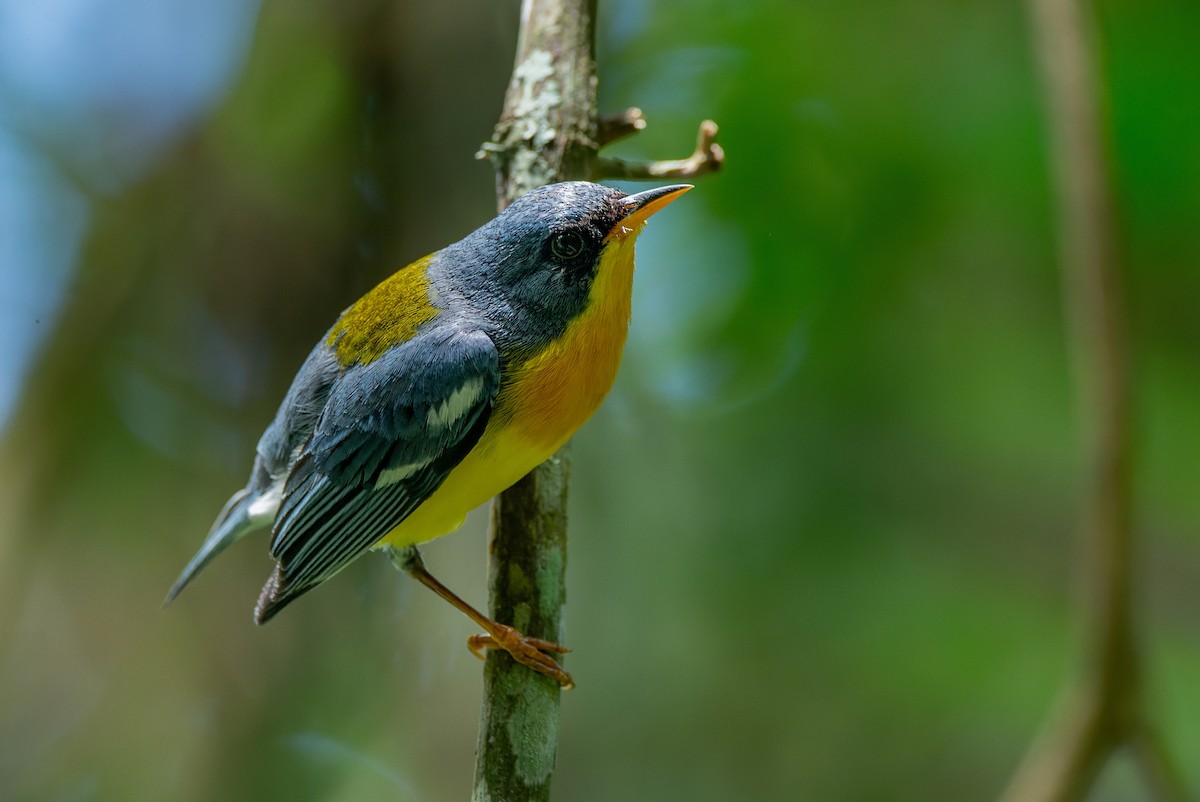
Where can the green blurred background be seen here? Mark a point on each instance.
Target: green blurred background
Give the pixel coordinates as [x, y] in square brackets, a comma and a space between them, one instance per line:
[823, 537]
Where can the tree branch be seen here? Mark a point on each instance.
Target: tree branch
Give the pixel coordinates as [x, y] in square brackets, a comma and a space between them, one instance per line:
[547, 132]
[1104, 709]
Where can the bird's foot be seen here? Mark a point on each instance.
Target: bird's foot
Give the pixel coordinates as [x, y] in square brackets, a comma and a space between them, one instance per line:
[530, 652]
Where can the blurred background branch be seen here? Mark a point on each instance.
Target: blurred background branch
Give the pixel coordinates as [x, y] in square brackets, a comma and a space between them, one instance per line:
[1105, 708]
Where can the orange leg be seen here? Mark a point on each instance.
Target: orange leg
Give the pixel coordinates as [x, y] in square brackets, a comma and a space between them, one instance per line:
[530, 652]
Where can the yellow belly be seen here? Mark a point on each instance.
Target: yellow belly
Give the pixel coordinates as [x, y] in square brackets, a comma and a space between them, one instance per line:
[543, 402]
[492, 467]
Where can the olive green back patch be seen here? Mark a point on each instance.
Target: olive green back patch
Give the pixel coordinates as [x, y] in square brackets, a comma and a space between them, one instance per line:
[386, 316]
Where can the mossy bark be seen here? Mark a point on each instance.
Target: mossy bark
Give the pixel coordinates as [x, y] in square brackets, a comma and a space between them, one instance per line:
[546, 133]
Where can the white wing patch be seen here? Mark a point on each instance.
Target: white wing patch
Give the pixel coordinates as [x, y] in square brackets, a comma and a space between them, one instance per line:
[265, 506]
[457, 405]
[393, 475]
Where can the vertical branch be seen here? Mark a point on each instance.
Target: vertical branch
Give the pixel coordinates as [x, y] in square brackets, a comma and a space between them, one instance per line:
[1104, 709]
[547, 132]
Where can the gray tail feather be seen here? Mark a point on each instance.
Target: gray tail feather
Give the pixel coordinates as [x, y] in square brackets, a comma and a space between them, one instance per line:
[233, 523]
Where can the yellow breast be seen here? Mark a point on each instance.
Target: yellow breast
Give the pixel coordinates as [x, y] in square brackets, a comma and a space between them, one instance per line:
[542, 402]
[548, 397]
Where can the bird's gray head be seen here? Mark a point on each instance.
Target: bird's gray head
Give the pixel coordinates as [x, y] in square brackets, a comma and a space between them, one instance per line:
[530, 271]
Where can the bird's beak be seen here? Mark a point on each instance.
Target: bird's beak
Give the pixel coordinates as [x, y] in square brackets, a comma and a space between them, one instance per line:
[641, 206]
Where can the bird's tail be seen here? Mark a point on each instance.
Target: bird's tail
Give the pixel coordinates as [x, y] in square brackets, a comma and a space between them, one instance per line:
[234, 522]
[277, 593]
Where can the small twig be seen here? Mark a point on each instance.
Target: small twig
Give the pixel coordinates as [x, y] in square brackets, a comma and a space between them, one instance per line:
[707, 158]
[1162, 776]
[619, 126]
[1069, 751]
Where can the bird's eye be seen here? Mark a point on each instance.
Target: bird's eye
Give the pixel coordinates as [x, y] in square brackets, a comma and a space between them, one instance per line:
[567, 246]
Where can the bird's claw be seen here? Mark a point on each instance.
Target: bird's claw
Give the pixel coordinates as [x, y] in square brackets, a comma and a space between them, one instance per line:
[529, 652]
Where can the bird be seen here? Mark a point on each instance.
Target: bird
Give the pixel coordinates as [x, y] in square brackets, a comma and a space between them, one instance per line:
[439, 389]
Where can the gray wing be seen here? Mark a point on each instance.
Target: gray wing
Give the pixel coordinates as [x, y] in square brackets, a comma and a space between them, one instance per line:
[253, 507]
[390, 433]
[298, 413]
